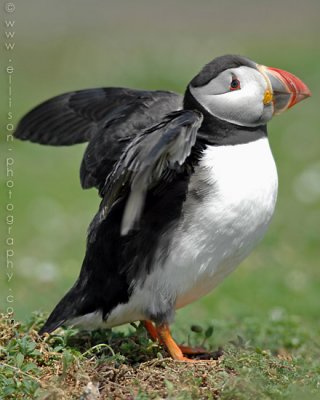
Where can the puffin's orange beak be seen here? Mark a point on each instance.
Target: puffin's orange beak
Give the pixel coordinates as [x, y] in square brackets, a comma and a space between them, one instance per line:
[284, 89]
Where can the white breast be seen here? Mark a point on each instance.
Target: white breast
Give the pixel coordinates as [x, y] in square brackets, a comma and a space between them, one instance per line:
[232, 199]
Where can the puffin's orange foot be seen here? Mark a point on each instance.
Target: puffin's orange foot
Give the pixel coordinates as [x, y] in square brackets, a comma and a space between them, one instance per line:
[175, 351]
[153, 332]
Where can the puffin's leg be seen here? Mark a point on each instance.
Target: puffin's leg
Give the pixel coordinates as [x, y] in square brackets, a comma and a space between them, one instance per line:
[185, 349]
[151, 330]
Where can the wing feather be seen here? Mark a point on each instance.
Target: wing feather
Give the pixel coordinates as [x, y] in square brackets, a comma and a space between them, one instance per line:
[156, 152]
[107, 117]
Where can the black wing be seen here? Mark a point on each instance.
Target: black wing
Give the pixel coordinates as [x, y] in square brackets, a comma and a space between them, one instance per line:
[107, 117]
[155, 154]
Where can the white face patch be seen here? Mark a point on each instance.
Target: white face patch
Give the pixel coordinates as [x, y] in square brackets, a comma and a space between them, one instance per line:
[242, 106]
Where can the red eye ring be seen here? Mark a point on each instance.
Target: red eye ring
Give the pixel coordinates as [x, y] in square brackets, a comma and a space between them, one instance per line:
[235, 84]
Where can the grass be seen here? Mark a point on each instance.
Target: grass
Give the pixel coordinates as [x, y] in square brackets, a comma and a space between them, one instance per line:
[265, 316]
[275, 360]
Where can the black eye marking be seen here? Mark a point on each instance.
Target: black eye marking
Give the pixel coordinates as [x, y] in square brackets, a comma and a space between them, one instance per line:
[235, 84]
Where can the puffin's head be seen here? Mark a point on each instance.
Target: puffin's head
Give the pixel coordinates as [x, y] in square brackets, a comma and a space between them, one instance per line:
[237, 90]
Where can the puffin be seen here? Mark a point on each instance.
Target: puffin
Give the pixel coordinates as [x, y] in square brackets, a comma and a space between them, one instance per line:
[188, 187]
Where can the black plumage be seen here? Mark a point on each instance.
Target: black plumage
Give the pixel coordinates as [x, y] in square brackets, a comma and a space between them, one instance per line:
[157, 157]
[214, 68]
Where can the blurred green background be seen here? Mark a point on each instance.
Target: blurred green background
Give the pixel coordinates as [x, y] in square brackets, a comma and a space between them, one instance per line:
[66, 45]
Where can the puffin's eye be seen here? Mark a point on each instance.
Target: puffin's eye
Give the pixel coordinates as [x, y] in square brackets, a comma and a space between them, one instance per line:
[235, 84]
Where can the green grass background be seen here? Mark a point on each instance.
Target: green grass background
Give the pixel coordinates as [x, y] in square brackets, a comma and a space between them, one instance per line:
[62, 46]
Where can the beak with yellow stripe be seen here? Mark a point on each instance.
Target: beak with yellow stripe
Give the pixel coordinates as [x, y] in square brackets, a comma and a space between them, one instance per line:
[284, 89]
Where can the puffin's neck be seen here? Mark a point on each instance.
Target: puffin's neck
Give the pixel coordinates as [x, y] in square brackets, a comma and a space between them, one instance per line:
[217, 132]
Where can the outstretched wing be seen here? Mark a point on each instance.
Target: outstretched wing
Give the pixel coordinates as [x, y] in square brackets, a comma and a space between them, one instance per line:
[107, 117]
[156, 153]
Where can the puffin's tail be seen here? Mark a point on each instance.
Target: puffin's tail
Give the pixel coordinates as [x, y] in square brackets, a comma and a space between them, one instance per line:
[52, 323]
[66, 309]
